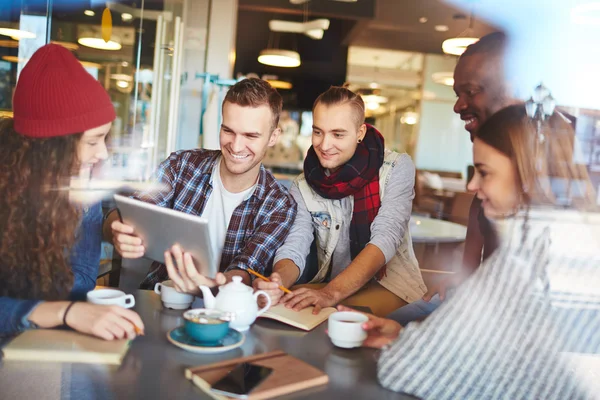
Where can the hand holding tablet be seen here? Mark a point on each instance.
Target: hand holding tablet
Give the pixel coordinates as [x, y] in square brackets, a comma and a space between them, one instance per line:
[184, 273]
[151, 231]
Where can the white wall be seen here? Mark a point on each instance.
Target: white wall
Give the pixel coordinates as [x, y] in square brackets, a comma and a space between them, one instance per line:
[195, 18]
[443, 143]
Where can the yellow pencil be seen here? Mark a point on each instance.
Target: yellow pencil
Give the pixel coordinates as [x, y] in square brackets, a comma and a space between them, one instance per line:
[285, 290]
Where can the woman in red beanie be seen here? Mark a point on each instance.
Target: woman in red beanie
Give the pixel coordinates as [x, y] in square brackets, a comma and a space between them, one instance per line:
[50, 248]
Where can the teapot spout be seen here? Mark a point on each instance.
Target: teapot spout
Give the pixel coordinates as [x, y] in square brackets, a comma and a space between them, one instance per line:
[209, 299]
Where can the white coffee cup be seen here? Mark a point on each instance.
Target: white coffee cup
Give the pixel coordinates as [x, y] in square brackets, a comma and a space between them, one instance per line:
[171, 298]
[345, 329]
[111, 297]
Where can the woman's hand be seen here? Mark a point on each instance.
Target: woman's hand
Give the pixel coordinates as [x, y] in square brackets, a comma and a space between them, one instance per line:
[105, 322]
[381, 331]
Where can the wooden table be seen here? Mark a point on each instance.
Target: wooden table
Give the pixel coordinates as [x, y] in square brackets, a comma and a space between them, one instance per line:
[154, 369]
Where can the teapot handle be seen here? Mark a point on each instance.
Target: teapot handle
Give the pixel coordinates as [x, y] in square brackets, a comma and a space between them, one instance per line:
[265, 308]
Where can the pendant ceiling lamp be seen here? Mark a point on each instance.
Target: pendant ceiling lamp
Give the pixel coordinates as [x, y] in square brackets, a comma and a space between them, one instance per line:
[457, 45]
[17, 34]
[279, 58]
[105, 41]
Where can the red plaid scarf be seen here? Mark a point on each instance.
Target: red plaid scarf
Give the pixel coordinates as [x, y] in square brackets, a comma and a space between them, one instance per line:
[358, 177]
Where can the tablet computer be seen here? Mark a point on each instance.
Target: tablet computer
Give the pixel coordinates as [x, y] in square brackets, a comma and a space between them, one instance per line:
[160, 228]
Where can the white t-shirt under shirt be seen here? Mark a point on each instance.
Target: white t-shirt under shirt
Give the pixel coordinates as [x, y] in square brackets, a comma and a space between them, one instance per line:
[219, 208]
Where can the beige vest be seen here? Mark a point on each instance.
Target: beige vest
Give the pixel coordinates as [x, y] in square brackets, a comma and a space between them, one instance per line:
[403, 277]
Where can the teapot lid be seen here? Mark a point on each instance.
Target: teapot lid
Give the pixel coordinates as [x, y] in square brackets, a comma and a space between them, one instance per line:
[236, 285]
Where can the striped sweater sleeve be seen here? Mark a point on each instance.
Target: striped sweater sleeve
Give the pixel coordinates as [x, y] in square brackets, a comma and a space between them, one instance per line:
[498, 336]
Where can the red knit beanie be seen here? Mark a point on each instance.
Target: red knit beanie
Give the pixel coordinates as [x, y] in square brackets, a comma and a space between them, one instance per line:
[56, 96]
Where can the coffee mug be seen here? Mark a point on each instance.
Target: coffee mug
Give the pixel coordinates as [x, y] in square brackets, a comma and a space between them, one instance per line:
[171, 298]
[111, 297]
[345, 329]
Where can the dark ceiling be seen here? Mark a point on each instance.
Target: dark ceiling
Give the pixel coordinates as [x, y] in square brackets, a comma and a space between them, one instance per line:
[385, 24]
[323, 61]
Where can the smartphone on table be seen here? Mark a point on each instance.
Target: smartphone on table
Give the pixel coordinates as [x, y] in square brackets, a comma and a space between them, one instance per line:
[241, 380]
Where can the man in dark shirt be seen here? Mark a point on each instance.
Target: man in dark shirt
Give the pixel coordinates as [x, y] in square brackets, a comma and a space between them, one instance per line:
[481, 90]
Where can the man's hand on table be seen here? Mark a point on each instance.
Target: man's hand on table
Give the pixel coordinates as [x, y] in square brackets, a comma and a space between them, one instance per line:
[380, 331]
[185, 275]
[127, 244]
[304, 297]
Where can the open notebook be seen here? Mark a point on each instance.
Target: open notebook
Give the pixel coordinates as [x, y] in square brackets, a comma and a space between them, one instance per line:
[64, 346]
[303, 319]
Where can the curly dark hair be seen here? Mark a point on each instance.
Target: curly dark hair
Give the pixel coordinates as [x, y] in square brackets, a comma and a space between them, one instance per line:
[37, 223]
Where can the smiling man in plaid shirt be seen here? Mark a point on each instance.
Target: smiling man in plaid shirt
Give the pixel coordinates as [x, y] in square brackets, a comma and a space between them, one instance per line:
[249, 212]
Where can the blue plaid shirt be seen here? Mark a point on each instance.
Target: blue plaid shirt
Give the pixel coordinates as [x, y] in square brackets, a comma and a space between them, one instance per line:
[258, 226]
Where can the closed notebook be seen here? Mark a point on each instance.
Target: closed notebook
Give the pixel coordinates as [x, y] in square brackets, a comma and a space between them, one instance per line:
[289, 375]
[303, 319]
[64, 346]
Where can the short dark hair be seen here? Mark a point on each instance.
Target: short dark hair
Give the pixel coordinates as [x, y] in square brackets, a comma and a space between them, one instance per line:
[493, 44]
[341, 95]
[254, 92]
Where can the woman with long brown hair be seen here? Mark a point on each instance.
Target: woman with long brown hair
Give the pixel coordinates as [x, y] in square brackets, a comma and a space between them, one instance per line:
[503, 333]
[49, 246]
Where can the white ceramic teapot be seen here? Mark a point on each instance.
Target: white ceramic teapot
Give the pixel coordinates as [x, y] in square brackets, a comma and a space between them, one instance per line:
[237, 298]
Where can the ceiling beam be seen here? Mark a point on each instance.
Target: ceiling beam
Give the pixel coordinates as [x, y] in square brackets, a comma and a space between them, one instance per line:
[361, 10]
[355, 31]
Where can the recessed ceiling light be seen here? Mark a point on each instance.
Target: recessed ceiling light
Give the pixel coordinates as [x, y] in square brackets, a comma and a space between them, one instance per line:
[279, 84]
[89, 13]
[372, 105]
[443, 78]
[374, 98]
[374, 85]
[122, 84]
[409, 118]
[121, 77]
[423, 20]
[441, 28]
[456, 46]
[126, 17]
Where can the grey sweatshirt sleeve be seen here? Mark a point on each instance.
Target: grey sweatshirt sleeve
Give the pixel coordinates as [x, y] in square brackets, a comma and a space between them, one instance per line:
[390, 224]
[297, 244]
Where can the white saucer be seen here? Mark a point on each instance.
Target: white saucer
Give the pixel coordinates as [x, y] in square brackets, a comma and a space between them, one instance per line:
[346, 344]
[177, 306]
[180, 338]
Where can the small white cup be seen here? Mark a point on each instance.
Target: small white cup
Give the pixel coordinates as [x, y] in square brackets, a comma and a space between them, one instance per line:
[111, 297]
[171, 298]
[345, 329]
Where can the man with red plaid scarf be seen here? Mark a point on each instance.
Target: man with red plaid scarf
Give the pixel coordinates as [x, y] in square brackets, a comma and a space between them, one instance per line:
[354, 199]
